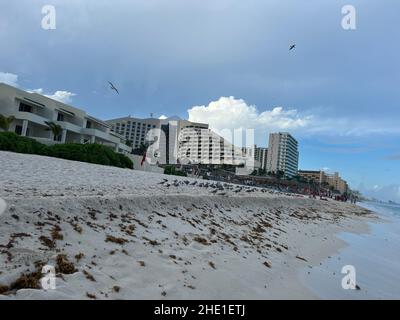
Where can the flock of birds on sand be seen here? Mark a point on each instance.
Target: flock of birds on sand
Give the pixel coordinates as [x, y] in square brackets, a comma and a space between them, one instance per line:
[216, 188]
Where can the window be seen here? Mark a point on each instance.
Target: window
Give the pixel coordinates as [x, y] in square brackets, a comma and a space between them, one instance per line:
[24, 107]
[18, 130]
[88, 124]
[60, 117]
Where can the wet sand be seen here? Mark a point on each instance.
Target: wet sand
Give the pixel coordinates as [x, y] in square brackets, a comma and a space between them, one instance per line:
[374, 254]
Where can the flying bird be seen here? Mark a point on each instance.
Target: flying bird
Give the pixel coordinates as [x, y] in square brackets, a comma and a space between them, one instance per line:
[292, 47]
[113, 87]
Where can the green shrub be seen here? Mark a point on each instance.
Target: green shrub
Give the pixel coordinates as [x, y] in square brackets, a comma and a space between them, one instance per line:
[168, 170]
[93, 153]
[125, 161]
[171, 170]
[10, 141]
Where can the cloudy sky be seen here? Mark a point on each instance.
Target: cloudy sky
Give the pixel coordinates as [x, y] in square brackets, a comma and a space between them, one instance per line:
[227, 63]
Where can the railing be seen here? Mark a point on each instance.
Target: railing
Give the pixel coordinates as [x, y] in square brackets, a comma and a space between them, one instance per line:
[70, 126]
[20, 115]
[101, 134]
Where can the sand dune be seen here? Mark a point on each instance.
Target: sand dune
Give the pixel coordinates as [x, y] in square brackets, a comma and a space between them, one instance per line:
[120, 234]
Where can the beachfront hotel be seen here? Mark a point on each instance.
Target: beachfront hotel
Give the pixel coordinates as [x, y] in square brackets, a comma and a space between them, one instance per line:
[259, 154]
[283, 154]
[177, 141]
[322, 178]
[201, 145]
[32, 110]
[134, 129]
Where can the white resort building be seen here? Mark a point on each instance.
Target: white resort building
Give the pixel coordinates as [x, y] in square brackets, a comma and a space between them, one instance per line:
[177, 141]
[133, 129]
[32, 111]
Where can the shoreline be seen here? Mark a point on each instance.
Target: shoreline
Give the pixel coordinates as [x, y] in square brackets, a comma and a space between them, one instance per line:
[332, 245]
[373, 256]
[133, 235]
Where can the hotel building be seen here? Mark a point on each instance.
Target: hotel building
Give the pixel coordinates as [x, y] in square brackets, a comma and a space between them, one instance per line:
[32, 111]
[259, 154]
[283, 154]
[176, 141]
[322, 178]
[134, 129]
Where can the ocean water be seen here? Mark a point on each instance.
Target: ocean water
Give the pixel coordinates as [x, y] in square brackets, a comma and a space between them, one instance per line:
[375, 257]
[383, 209]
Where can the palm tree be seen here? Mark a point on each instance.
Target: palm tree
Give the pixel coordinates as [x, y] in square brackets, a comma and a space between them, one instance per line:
[143, 148]
[56, 129]
[5, 122]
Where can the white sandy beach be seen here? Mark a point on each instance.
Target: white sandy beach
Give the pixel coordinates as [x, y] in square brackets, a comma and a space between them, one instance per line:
[137, 235]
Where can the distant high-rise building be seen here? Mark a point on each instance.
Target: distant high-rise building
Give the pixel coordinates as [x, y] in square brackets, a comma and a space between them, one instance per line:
[283, 154]
[261, 157]
[322, 178]
[259, 154]
[133, 129]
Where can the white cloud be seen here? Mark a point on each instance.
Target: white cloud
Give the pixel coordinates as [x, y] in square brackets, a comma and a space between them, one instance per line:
[62, 96]
[385, 193]
[163, 117]
[59, 95]
[231, 113]
[38, 91]
[9, 78]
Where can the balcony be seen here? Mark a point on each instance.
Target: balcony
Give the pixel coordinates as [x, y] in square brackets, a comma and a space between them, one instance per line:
[32, 117]
[69, 126]
[101, 135]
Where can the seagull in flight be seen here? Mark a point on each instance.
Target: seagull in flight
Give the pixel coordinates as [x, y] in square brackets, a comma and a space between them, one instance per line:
[292, 47]
[113, 87]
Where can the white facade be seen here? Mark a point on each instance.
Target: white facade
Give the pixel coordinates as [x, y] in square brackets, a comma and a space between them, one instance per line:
[32, 110]
[283, 154]
[178, 141]
[134, 129]
[202, 145]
